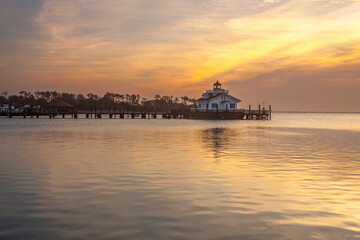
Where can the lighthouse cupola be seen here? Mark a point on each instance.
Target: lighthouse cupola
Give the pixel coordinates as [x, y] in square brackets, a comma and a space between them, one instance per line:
[217, 85]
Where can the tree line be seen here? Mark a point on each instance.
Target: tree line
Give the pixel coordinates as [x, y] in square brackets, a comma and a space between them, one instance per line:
[91, 100]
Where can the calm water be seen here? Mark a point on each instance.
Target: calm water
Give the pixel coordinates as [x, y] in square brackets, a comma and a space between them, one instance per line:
[295, 177]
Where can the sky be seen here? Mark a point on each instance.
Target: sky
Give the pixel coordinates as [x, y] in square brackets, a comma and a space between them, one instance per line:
[299, 55]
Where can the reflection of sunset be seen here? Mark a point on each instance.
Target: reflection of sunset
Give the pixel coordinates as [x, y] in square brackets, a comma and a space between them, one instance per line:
[304, 186]
[133, 177]
[260, 169]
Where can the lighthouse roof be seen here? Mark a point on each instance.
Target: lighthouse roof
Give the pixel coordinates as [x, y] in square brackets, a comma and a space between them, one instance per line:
[210, 96]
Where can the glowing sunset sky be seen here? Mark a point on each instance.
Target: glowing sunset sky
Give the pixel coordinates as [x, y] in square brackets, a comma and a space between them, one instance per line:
[295, 54]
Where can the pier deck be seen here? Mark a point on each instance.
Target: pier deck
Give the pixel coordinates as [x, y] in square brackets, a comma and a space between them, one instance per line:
[174, 114]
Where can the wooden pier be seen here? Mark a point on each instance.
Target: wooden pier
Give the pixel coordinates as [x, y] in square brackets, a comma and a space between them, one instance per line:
[260, 114]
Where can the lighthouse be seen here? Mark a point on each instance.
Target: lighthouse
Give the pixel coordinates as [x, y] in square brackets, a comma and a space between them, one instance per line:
[217, 99]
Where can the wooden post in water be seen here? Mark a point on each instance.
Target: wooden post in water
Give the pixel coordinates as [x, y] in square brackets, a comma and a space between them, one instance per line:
[270, 111]
[249, 116]
[260, 115]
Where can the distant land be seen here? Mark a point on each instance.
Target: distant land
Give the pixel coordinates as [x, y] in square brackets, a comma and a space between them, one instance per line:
[274, 111]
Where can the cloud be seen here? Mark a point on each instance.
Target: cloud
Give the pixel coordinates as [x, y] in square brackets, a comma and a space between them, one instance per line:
[179, 46]
[317, 88]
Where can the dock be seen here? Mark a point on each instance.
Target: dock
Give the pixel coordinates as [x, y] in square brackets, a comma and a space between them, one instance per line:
[239, 114]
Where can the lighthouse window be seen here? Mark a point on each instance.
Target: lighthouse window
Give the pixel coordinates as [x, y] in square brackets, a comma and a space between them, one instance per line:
[232, 105]
[214, 105]
[199, 105]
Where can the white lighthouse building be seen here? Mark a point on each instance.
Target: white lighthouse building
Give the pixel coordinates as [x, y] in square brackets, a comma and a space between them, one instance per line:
[217, 99]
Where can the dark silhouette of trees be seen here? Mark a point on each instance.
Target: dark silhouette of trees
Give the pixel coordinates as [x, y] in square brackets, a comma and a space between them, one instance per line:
[89, 101]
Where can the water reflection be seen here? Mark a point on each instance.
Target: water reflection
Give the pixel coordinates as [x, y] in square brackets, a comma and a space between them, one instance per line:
[168, 180]
[216, 140]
